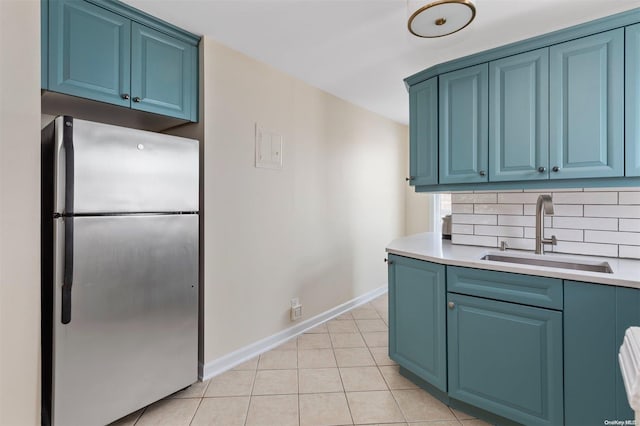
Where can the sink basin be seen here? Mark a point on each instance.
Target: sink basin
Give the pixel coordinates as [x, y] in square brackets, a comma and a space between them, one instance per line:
[552, 263]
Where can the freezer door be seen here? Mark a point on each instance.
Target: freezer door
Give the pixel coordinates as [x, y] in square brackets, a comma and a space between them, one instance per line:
[117, 169]
[132, 336]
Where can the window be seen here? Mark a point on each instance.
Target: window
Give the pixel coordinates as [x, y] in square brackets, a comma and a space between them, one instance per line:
[445, 205]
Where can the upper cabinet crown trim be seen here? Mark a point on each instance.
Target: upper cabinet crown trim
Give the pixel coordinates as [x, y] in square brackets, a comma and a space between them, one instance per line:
[582, 30]
[148, 20]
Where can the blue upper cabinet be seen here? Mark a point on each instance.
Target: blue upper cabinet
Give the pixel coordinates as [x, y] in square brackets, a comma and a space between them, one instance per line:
[423, 131]
[106, 51]
[89, 52]
[587, 107]
[519, 117]
[463, 119]
[417, 318]
[162, 73]
[632, 98]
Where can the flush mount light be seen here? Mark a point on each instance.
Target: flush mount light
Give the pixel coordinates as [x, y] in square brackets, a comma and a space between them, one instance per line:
[441, 18]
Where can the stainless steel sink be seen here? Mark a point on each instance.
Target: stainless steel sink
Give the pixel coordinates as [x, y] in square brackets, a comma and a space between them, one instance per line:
[552, 263]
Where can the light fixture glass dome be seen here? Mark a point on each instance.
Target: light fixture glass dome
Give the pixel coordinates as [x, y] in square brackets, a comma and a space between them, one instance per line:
[441, 18]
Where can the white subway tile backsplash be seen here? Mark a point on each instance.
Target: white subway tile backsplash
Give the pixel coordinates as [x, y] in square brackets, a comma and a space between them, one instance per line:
[629, 238]
[612, 211]
[600, 221]
[497, 209]
[500, 231]
[630, 252]
[474, 240]
[474, 219]
[458, 228]
[585, 223]
[629, 198]
[630, 225]
[585, 198]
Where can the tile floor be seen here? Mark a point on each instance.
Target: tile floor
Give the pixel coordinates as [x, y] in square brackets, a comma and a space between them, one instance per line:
[338, 373]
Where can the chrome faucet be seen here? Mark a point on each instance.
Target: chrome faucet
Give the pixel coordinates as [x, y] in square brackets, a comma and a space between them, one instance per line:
[544, 202]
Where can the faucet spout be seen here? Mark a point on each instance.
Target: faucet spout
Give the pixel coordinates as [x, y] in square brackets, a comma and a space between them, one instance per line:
[544, 205]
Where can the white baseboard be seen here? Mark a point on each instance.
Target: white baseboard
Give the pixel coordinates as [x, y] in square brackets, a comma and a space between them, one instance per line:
[226, 362]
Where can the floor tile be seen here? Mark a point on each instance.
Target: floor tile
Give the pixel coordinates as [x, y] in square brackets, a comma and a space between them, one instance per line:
[314, 341]
[374, 407]
[381, 355]
[316, 358]
[393, 378]
[353, 357]
[319, 380]
[437, 423]
[368, 325]
[272, 410]
[365, 312]
[169, 412]
[321, 328]
[129, 420]
[342, 326]
[229, 411]
[417, 405]
[252, 364]
[380, 303]
[231, 383]
[278, 360]
[276, 382]
[474, 422]
[324, 409]
[345, 316]
[362, 379]
[376, 339]
[347, 340]
[460, 415]
[291, 344]
[196, 390]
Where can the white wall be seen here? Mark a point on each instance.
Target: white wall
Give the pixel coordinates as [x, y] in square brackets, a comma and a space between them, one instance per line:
[315, 229]
[19, 212]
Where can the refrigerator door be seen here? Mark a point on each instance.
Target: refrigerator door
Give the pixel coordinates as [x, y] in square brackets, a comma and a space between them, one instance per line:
[121, 170]
[132, 335]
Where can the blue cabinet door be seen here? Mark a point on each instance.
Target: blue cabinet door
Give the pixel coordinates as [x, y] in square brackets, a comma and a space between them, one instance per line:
[587, 107]
[519, 117]
[417, 318]
[163, 74]
[506, 358]
[423, 131]
[464, 122]
[89, 52]
[632, 99]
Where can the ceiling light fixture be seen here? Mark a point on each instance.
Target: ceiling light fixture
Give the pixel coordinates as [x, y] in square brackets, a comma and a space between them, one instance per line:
[440, 18]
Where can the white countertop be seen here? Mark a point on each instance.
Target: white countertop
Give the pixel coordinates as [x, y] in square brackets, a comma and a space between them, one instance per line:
[431, 247]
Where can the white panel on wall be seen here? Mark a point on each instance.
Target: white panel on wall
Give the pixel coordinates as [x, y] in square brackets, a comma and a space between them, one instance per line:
[603, 222]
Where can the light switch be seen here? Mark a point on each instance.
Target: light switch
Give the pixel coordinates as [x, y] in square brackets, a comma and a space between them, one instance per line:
[268, 148]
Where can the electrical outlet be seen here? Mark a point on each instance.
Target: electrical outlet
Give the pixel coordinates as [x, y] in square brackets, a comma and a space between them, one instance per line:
[296, 309]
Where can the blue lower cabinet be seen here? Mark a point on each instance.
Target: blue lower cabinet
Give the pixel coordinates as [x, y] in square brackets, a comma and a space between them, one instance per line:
[417, 318]
[506, 358]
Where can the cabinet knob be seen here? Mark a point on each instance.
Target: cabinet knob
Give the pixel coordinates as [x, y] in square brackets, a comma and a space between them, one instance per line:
[451, 305]
[390, 262]
[556, 169]
[483, 173]
[410, 178]
[137, 99]
[125, 96]
[542, 169]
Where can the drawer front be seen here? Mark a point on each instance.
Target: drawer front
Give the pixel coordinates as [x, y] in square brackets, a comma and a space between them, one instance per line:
[525, 289]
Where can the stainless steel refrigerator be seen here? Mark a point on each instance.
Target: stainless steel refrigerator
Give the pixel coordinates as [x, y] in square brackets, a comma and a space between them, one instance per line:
[119, 269]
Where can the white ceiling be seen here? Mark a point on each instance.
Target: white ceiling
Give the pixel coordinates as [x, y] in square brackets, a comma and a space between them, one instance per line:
[360, 50]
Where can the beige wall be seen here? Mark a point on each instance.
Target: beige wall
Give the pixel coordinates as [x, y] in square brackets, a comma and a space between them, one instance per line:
[19, 212]
[315, 229]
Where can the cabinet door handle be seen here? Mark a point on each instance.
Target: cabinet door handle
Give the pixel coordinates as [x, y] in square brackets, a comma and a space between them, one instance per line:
[556, 169]
[451, 305]
[542, 169]
[483, 173]
[410, 178]
[125, 96]
[137, 99]
[390, 262]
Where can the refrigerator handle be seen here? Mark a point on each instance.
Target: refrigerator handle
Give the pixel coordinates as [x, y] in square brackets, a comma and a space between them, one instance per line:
[68, 220]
